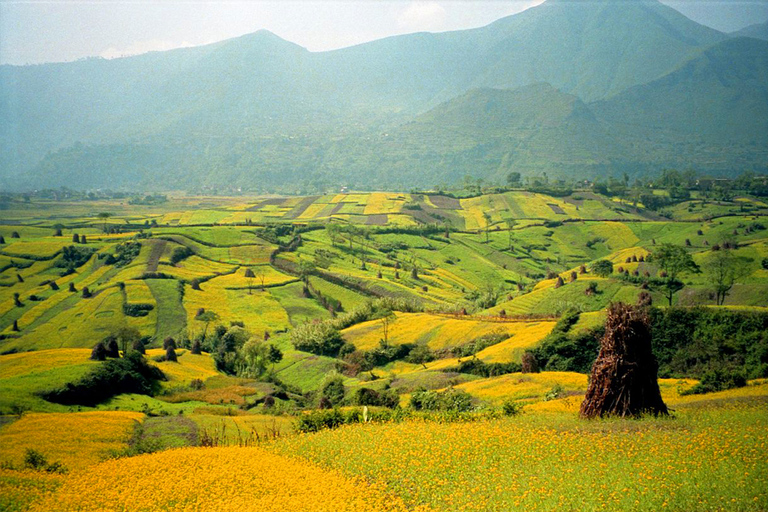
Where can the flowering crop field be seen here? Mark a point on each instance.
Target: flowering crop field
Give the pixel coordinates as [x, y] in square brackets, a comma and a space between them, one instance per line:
[709, 457]
[77, 440]
[216, 479]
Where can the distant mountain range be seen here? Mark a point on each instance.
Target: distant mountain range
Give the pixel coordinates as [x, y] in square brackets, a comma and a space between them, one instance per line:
[570, 88]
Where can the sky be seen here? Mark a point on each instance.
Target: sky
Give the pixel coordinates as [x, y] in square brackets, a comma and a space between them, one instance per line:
[33, 32]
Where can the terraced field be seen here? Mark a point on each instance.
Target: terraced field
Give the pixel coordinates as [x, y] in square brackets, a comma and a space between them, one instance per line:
[425, 293]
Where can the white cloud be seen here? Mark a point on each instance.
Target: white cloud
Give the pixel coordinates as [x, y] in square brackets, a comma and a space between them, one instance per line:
[422, 15]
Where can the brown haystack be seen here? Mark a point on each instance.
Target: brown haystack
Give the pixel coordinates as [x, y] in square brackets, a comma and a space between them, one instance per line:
[624, 376]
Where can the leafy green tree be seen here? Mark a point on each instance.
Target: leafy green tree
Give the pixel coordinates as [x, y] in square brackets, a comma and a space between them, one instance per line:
[723, 269]
[252, 359]
[104, 216]
[332, 389]
[674, 262]
[602, 268]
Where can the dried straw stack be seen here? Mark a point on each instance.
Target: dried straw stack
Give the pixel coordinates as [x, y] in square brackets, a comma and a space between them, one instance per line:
[624, 376]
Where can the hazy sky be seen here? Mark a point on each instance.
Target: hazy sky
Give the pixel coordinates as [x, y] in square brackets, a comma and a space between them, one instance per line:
[63, 30]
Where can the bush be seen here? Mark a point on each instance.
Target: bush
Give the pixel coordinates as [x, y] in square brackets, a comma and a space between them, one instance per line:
[371, 397]
[320, 338]
[718, 380]
[137, 310]
[73, 257]
[180, 254]
[482, 369]
[124, 253]
[450, 400]
[131, 374]
[511, 408]
[332, 390]
[602, 268]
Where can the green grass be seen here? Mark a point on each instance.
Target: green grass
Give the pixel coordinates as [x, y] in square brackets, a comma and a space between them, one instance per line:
[171, 317]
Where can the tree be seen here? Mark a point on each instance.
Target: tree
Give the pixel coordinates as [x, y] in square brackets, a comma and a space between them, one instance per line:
[674, 262]
[602, 268]
[104, 216]
[724, 269]
[252, 359]
[513, 179]
[274, 355]
[126, 337]
[207, 317]
[332, 389]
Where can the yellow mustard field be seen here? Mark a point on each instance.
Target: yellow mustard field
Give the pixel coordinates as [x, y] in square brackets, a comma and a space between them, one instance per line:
[76, 440]
[216, 479]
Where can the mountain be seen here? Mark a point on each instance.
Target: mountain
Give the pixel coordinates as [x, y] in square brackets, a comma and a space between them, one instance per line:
[758, 31]
[263, 113]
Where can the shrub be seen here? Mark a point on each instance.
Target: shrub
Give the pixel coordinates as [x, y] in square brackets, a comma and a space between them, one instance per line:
[137, 310]
[180, 254]
[131, 374]
[371, 397]
[718, 380]
[450, 400]
[511, 408]
[320, 338]
[602, 268]
[333, 389]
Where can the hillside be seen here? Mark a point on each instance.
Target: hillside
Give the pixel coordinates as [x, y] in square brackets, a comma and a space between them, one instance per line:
[292, 120]
[758, 31]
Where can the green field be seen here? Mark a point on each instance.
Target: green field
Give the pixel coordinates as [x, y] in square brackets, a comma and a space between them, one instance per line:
[421, 293]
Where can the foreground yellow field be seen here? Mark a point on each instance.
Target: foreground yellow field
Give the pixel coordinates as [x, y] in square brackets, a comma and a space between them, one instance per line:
[77, 440]
[216, 479]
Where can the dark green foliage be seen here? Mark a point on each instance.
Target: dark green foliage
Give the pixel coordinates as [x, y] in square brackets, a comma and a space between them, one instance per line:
[333, 390]
[73, 257]
[764, 263]
[125, 252]
[602, 268]
[180, 254]
[692, 342]
[36, 461]
[450, 400]
[718, 380]
[561, 352]
[371, 397]
[480, 343]
[131, 374]
[136, 309]
[318, 338]
[511, 408]
[477, 367]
